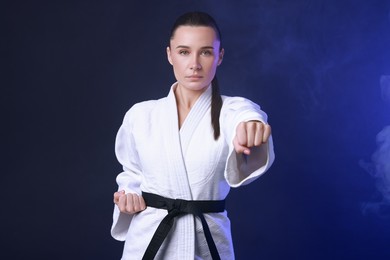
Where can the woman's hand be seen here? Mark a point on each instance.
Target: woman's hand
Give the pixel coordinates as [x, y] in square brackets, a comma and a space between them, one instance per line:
[250, 134]
[129, 203]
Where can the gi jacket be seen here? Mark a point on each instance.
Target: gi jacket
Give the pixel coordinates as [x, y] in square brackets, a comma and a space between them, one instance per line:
[185, 163]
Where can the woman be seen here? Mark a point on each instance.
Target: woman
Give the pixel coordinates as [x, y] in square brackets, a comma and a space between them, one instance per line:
[182, 153]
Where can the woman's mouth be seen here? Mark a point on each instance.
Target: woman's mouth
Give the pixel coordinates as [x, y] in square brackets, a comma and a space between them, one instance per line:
[194, 77]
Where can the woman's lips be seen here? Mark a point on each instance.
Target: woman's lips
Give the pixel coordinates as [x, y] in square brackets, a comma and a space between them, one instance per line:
[194, 77]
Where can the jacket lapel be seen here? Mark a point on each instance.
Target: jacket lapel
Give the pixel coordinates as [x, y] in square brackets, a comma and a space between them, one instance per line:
[194, 118]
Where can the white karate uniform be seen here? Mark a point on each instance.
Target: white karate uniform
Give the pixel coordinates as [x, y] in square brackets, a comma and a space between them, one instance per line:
[187, 164]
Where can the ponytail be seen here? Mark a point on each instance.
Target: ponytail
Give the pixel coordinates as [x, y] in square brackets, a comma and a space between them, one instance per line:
[216, 105]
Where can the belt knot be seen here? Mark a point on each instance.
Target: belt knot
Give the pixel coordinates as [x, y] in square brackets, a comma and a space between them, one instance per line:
[177, 206]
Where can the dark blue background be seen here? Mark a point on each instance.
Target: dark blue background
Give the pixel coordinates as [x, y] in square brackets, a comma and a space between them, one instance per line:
[71, 69]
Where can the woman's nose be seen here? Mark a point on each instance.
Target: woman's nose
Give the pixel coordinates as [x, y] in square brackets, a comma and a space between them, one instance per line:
[195, 64]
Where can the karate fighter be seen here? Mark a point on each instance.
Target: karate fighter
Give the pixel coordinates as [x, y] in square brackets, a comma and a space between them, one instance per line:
[182, 153]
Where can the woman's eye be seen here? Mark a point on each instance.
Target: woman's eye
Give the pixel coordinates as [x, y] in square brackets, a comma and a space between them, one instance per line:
[183, 52]
[206, 53]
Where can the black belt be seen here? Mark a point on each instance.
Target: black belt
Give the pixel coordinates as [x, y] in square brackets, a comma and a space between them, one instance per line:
[178, 207]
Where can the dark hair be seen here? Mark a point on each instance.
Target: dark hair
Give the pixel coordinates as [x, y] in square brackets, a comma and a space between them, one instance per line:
[204, 19]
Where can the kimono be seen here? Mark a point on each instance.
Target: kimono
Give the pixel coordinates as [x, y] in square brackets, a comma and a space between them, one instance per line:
[186, 163]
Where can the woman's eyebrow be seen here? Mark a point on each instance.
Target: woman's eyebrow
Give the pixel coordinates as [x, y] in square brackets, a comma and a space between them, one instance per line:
[182, 47]
[187, 47]
[207, 47]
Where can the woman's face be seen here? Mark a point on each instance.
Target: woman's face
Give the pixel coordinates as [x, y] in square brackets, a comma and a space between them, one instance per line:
[194, 54]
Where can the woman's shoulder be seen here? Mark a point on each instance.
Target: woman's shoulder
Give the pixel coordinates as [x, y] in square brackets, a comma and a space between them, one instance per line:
[143, 106]
[141, 110]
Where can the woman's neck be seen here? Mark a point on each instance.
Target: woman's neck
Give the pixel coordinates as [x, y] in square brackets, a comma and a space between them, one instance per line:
[185, 100]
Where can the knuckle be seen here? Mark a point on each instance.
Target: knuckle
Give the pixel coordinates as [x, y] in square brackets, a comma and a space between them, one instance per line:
[254, 125]
[261, 126]
[268, 128]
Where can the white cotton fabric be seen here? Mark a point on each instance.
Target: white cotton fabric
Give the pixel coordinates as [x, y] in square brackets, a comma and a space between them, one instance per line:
[188, 164]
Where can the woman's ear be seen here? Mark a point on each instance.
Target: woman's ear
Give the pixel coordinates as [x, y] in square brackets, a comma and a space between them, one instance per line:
[220, 58]
[169, 55]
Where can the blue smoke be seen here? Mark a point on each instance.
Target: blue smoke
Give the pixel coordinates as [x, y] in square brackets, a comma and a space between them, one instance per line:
[379, 167]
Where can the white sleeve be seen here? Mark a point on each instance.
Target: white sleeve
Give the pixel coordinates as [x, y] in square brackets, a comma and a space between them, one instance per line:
[130, 179]
[243, 169]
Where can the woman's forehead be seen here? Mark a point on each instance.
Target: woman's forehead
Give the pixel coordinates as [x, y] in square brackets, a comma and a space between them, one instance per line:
[194, 35]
